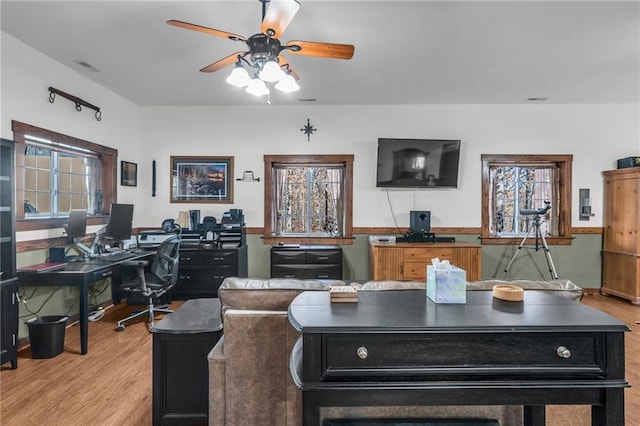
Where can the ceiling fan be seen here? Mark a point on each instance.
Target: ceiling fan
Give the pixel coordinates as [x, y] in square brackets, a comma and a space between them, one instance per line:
[264, 55]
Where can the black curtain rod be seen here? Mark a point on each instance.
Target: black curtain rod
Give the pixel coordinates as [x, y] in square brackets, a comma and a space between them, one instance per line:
[79, 102]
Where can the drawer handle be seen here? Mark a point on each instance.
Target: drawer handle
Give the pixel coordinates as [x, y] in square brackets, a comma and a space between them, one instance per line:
[323, 257]
[362, 352]
[563, 352]
[218, 258]
[186, 259]
[185, 277]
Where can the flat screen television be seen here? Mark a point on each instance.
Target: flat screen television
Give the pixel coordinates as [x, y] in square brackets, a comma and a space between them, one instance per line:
[417, 163]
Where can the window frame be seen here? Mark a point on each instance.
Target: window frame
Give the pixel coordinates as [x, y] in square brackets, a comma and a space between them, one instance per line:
[108, 158]
[270, 161]
[563, 163]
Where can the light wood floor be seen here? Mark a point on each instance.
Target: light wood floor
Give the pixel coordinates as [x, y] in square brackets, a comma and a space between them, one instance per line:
[111, 385]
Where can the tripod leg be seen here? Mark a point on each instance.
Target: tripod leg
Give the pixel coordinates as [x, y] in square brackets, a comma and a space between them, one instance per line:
[524, 240]
[547, 253]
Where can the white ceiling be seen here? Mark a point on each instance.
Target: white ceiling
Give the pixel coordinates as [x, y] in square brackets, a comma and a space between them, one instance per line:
[407, 52]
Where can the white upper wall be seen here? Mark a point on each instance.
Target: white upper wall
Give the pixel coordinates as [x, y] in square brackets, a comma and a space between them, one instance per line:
[596, 135]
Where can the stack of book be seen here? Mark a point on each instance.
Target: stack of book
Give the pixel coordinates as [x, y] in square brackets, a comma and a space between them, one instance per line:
[343, 293]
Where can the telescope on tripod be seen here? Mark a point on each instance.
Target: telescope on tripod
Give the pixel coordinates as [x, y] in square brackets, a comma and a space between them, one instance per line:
[536, 213]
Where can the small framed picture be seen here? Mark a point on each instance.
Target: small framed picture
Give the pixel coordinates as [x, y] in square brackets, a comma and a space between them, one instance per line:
[201, 179]
[128, 174]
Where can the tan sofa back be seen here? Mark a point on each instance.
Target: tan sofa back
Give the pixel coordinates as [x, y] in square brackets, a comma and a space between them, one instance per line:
[249, 380]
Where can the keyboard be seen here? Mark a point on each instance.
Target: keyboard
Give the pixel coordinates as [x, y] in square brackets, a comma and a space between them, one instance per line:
[116, 256]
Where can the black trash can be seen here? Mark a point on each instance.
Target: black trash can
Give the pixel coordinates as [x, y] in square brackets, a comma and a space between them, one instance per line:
[46, 334]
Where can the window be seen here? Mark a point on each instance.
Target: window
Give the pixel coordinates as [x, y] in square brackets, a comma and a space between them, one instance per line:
[515, 186]
[308, 199]
[57, 181]
[60, 173]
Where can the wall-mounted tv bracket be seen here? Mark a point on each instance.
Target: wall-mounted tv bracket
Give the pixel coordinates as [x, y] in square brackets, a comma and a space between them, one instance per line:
[79, 102]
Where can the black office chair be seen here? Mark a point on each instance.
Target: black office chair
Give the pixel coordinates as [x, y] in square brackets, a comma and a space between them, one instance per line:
[156, 282]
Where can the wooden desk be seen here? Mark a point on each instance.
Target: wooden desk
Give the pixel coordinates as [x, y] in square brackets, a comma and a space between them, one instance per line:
[82, 275]
[397, 348]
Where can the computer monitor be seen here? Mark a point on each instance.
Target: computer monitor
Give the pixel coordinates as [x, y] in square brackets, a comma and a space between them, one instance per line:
[77, 225]
[76, 228]
[120, 222]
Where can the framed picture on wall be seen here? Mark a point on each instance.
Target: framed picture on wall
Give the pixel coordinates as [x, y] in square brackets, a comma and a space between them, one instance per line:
[201, 179]
[128, 174]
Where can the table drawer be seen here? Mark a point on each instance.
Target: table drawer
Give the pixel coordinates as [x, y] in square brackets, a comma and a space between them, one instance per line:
[409, 357]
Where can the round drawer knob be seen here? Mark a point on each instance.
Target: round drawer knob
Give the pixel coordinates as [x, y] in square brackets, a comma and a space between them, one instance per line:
[362, 352]
[563, 352]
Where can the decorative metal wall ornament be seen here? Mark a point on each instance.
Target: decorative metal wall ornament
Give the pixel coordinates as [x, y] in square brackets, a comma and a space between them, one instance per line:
[79, 102]
[308, 129]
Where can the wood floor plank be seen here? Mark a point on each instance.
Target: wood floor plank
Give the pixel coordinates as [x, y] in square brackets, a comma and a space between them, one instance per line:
[111, 385]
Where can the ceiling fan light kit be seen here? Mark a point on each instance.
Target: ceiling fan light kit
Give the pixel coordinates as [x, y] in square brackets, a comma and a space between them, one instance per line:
[257, 87]
[239, 76]
[264, 56]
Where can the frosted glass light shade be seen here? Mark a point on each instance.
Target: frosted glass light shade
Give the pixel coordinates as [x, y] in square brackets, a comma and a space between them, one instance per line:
[239, 77]
[271, 71]
[287, 84]
[257, 87]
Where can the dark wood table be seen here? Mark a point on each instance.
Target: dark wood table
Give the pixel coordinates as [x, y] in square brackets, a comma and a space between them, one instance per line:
[82, 275]
[399, 348]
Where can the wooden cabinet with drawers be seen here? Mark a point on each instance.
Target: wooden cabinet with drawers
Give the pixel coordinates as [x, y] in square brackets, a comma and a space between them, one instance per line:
[202, 270]
[306, 262]
[408, 261]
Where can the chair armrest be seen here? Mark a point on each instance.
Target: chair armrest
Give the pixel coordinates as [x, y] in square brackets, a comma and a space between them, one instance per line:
[135, 263]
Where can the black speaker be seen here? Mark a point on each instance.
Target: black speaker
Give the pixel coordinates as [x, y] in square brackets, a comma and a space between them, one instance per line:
[419, 222]
[56, 254]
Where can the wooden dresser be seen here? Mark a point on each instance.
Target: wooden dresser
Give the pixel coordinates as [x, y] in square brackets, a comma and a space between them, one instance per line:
[408, 261]
[621, 254]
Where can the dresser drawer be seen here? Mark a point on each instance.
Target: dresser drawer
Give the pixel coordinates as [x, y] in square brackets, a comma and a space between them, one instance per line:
[288, 256]
[324, 256]
[415, 271]
[221, 256]
[425, 255]
[408, 357]
[201, 282]
[190, 258]
[304, 271]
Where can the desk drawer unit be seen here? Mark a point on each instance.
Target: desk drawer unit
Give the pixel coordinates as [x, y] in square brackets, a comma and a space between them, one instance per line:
[411, 357]
[306, 262]
[201, 271]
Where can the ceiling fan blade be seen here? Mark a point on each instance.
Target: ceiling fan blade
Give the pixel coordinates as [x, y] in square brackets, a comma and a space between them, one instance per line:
[282, 61]
[222, 62]
[206, 30]
[279, 16]
[324, 50]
